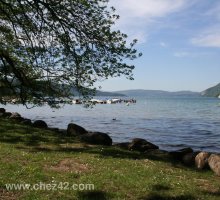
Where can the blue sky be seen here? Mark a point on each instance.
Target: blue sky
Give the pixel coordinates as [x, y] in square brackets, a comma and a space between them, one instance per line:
[180, 42]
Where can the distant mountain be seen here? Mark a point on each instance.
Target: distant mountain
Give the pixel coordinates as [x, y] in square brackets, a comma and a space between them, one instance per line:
[100, 93]
[186, 93]
[156, 93]
[109, 94]
[6, 92]
[212, 91]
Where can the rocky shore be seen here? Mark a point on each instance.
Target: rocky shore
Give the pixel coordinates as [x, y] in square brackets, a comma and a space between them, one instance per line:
[197, 159]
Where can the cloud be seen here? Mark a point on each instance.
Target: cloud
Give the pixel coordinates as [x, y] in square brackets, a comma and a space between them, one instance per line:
[148, 8]
[214, 12]
[140, 35]
[163, 44]
[191, 54]
[136, 17]
[208, 38]
[181, 54]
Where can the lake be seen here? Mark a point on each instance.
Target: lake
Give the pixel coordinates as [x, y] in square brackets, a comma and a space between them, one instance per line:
[170, 122]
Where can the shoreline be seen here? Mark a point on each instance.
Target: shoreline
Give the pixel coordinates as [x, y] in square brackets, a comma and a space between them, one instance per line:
[187, 156]
[31, 155]
[169, 133]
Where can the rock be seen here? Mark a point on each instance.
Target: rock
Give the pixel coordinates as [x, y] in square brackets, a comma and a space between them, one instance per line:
[75, 130]
[97, 138]
[16, 116]
[123, 145]
[214, 163]
[142, 145]
[62, 132]
[26, 122]
[179, 154]
[201, 160]
[6, 114]
[40, 124]
[2, 110]
[54, 129]
[189, 158]
[157, 153]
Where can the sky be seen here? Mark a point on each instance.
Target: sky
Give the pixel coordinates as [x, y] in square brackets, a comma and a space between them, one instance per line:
[180, 42]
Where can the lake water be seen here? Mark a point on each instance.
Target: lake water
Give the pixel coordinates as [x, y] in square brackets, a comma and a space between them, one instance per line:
[170, 122]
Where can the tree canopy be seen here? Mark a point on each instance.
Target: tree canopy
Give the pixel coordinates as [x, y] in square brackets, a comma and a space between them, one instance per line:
[48, 47]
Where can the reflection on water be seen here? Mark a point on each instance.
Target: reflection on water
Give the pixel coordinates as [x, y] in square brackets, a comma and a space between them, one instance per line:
[170, 123]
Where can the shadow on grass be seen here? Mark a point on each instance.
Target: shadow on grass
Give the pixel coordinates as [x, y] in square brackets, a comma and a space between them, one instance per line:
[104, 152]
[93, 195]
[154, 196]
[13, 132]
[32, 138]
[160, 187]
[212, 193]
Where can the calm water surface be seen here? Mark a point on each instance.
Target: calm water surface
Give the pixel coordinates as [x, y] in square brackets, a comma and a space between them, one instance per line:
[170, 122]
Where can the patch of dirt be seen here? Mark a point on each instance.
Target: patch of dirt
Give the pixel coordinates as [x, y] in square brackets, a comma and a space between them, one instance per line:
[70, 165]
[13, 160]
[8, 195]
[207, 187]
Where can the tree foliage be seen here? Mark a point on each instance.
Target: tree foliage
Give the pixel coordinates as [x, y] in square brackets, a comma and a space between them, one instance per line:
[48, 47]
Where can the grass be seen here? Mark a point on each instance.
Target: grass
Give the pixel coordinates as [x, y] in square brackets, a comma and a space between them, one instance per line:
[31, 155]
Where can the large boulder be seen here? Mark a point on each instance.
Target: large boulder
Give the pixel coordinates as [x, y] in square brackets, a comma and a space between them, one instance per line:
[97, 138]
[201, 160]
[179, 154]
[141, 145]
[157, 153]
[54, 129]
[40, 124]
[75, 130]
[214, 163]
[2, 110]
[26, 122]
[123, 145]
[7, 114]
[16, 116]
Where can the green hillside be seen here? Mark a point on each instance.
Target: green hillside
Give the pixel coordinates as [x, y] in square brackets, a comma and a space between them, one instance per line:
[212, 92]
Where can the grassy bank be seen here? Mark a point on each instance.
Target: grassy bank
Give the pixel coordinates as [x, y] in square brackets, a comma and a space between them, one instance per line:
[30, 155]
